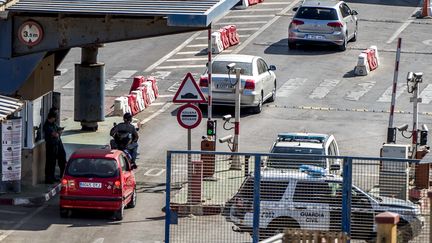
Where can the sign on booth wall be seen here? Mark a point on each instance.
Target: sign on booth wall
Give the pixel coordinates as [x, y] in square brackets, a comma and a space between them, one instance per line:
[11, 137]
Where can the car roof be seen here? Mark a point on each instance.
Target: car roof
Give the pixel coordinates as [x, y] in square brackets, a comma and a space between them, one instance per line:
[96, 153]
[234, 58]
[303, 137]
[320, 3]
[276, 174]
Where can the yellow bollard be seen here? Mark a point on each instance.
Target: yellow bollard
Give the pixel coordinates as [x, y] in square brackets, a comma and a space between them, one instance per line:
[387, 227]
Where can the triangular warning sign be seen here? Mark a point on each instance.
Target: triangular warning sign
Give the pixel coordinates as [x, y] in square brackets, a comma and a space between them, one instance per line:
[189, 92]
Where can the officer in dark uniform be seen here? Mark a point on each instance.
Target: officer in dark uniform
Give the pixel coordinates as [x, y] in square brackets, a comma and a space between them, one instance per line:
[127, 128]
[54, 148]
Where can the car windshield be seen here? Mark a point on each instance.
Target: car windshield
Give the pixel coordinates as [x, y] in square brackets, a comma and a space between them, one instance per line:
[295, 158]
[220, 67]
[85, 167]
[316, 13]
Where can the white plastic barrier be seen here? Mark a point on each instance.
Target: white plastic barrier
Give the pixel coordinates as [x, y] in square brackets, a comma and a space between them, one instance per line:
[244, 4]
[150, 91]
[217, 43]
[121, 106]
[376, 54]
[362, 68]
[140, 99]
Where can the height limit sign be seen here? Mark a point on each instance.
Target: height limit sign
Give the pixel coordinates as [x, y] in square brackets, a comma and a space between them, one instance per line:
[189, 116]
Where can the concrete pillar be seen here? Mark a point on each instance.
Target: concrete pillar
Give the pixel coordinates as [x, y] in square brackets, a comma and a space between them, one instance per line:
[387, 227]
[89, 89]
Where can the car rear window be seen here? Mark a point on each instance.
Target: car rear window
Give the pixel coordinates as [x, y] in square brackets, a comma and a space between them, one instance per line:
[220, 67]
[316, 13]
[86, 167]
[295, 159]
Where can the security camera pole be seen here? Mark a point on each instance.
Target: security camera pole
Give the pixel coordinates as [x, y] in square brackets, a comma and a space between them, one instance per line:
[414, 79]
[236, 165]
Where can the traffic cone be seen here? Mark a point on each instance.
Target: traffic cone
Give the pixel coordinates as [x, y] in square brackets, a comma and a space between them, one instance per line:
[426, 10]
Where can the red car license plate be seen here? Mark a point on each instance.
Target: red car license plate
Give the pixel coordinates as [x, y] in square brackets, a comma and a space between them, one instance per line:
[90, 184]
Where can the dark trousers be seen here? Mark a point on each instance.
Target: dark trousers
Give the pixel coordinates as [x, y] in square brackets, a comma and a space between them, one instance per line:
[55, 153]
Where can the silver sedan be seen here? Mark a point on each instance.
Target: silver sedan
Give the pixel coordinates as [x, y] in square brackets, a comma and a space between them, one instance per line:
[323, 22]
[258, 81]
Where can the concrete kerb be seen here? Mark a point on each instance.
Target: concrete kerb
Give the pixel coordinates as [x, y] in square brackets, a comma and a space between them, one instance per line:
[22, 200]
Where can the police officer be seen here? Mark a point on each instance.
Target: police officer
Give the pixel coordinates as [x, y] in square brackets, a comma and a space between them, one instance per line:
[54, 149]
[127, 127]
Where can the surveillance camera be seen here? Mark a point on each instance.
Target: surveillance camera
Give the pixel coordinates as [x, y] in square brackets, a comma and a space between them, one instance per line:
[225, 139]
[226, 117]
[403, 127]
[231, 66]
[418, 76]
[425, 128]
[410, 76]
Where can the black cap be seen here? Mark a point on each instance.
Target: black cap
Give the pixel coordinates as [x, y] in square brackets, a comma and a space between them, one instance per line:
[127, 116]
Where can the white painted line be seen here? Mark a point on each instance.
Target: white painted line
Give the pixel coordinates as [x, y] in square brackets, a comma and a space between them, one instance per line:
[120, 77]
[324, 88]
[196, 45]
[160, 74]
[250, 16]
[188, 53]
[166, 96]
[360, 90]
[245, 29]
[426, 94]
[402, 28]
[21, 222]
[12, 212]
[261, 9]
[263, 28]
[158, 173]
[160, 111]
[69, 85]
[157, 103]
[174, 87]
[386, 96]
[274, 3]
[99, 240]
[182, 66]
[172, 53]
[188, 59]
[245, 22]
[289, 87]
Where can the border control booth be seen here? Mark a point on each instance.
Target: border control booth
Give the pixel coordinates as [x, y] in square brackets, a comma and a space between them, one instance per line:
[37, 35]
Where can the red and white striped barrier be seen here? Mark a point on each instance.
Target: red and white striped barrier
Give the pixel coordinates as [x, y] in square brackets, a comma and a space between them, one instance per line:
[142, 93]
[225, 37]
[367, 61]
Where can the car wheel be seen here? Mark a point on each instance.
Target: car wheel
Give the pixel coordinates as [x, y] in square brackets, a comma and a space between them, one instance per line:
[65, 213]
[354, 38]
[292, 45]
[132, 203]
[118, 215]
[344, 45]
[273, 97]
[257, 109]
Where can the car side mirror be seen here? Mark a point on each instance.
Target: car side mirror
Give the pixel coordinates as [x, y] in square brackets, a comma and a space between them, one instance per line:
[334, 167]
[295, 9]
[272, 68]
[353, 12]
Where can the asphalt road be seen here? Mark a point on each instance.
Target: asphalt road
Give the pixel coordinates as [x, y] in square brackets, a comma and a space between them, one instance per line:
[317, 92]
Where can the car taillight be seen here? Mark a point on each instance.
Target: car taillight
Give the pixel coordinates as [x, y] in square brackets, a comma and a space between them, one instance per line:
[68, 184]
[203, 82]
[250, 84]
[335, 24]
[117, 187]
[297, 22]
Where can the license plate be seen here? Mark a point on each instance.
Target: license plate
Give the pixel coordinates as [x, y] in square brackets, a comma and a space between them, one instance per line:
[315, 37]
[224, 86]
[90, 184]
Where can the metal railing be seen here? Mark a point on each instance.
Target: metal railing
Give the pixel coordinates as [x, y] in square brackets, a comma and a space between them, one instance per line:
[207, 201]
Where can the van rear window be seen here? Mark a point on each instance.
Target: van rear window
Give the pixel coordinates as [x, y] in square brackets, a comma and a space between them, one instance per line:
[86, 167]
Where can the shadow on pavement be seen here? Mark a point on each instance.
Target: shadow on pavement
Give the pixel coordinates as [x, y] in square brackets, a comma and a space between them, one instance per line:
[281, 48]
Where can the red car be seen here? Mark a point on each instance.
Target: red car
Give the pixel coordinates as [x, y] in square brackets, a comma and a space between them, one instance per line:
[98, 179]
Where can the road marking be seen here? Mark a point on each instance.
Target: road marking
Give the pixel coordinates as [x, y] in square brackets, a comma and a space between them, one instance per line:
[426, 94]
[245, 29]
[160, 111]
[182, 66]
[249, 16]
[21, 222]
[12, 212]
[99, 240]
[244, 22]
[360, 90]
[427, 42]
[190, 53]
[157, 103]
[174, 87]
[167, 95]
[386, 96]
[324, 88]
[196, 45]
[159, 172]
[263, 28]
[172, 53]
[188, 59]
[402, 28]
[120, 77]
[289, 87]
[205, 38]
[274, 3]
[160, 74]
[261, 10]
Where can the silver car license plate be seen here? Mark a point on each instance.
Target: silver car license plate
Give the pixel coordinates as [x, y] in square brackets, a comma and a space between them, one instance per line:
[314, 37]
[90, 184]
[224, 86]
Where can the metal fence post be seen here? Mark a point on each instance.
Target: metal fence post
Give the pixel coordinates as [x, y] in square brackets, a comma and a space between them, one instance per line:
[168, 198]
[346, 196]
[256, 202]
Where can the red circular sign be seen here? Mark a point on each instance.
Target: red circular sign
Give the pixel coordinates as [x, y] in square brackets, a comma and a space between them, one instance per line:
[189, 116]
[30, 33]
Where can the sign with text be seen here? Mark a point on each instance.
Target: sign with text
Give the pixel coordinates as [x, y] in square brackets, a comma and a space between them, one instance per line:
[189, 116]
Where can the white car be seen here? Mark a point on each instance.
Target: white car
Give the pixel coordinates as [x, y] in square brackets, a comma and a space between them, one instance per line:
[258, 81]
[323, 22]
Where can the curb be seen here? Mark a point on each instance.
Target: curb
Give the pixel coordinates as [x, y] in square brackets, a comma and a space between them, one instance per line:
[31, 201]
